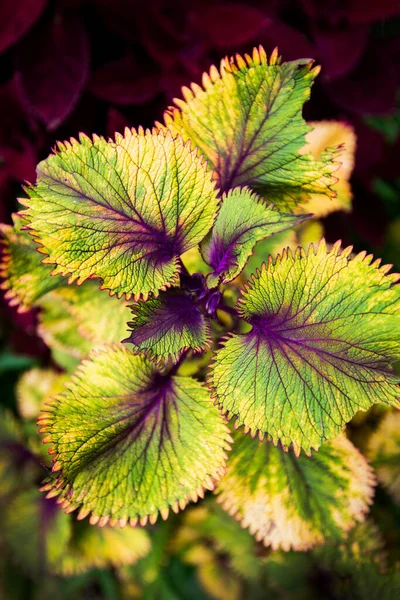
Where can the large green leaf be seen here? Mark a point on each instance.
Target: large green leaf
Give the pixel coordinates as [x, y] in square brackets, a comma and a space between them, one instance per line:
[26, 278]
[289, 502]
[247, 122]
[164, 327]
[122, 211]
[325, 329]
[129, 442]
[243, 220]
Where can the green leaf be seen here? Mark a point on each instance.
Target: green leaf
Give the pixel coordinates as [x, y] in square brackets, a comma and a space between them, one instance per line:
[26, 278]
[243, 220]
[164, 327]
[36, 532]
[289, 502]
[384, 453]
[104, 547]
[122, 211]
[325, 329]
[247, 121]
[130, 442]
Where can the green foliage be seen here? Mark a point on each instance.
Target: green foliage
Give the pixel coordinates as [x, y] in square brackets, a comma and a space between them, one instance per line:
[170, 218]
[122, 211]
[325, 329]
[156, 441]
[247, 122]
[289, 502]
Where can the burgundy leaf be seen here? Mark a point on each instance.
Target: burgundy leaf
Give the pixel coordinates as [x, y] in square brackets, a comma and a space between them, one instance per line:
[366, 11]
[355, 11]
[340, 49]
[370, 89]
[292, 43]
[16, 18]
[116, 122]
[232, 24]
[124, 81]
[52, 68]
[163, 36]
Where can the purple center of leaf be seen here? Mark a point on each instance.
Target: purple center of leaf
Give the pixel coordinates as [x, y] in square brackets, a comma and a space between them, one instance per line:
[222, 256]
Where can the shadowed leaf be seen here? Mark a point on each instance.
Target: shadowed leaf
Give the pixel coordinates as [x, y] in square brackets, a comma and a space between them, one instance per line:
[129, 442]
[122, 210]
[104, 547]
[164, 327]
[36, 531]
[247, 122]
[289, 502]
[325, 330]
[17, 466]
[384, 453]
[243, 220]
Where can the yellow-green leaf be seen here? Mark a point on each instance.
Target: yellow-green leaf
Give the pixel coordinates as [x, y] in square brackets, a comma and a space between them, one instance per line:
[122, 211]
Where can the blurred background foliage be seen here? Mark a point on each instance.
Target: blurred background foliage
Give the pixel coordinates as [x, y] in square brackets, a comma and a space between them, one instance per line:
[98, 66]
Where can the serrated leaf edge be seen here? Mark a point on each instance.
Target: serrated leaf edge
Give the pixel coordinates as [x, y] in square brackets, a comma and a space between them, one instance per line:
[57, 488]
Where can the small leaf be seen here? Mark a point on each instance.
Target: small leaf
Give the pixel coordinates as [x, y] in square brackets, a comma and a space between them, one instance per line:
[35, 531]
[327, 134]
[289, 502]
[26, 278]
[123, 210]
[129, 442]
[35, 387]
[325, 329]
[243, 220]
[247, 122]
[384, 453]
[164, 327]
[101, 548]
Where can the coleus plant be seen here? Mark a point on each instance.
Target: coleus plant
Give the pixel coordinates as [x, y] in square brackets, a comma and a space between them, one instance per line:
[156, 228]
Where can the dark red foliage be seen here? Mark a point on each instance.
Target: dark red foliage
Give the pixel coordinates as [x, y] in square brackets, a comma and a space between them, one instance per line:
[52, 66]
[100, 65]
[16, 17]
